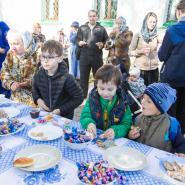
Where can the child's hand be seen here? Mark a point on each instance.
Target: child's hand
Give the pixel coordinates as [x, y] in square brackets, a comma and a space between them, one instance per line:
[109, 134]
[56, 111]
[42, 105]
[92, 129]
[134, 132]
[180, 154]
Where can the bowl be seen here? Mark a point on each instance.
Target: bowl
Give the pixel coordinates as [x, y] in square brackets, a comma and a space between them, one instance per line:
[34, 113]
[10, 126]
[77, 146]
[77, 139]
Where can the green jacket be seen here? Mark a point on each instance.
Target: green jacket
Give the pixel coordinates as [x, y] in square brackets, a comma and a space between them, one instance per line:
[121, 129]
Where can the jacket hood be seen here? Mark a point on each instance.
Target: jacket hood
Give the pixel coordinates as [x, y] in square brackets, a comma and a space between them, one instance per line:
[179, 30]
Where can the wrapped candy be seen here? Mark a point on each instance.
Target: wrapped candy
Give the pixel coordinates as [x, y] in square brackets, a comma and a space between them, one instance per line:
[76, 136]
[9, 126]
[98, 173]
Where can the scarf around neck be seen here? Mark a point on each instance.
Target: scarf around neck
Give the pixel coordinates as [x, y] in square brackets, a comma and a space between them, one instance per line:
[146, 34]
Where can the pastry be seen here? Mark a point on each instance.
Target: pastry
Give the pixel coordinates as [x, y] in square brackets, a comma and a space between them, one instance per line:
[23, 162]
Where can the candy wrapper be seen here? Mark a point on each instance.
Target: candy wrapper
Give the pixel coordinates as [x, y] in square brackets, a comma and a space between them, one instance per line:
[99, 173]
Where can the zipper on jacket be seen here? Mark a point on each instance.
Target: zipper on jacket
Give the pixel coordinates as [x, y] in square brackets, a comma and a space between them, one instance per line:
[50, 100]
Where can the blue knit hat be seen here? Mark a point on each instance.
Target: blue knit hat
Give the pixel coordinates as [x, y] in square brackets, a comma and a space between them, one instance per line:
[162, 95]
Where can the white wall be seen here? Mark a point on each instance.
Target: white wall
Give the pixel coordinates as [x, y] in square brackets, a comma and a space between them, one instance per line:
[20, 14]
[135, 10]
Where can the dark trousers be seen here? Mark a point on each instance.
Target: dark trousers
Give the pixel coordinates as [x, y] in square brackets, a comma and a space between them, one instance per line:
[86, 64]
[150, 76]
[178, 108]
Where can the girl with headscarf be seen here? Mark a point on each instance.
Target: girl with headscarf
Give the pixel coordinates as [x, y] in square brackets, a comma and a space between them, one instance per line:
[118, 44]
[144, 47]
[19, 66]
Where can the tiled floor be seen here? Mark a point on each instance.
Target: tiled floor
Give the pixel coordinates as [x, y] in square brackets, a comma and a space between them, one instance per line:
[80, 107]
[78, 112]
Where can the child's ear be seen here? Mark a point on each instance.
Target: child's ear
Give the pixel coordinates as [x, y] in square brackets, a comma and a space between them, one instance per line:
[60, 59]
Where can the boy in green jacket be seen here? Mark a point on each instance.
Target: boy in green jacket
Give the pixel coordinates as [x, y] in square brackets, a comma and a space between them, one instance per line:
[106, 107]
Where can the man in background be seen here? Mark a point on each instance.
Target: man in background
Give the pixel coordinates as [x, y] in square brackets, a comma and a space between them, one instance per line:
[91, 38]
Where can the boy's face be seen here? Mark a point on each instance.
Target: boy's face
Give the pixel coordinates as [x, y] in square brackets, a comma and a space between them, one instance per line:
[149, 108]
[16, 46]
[50, 61]
[106, 90]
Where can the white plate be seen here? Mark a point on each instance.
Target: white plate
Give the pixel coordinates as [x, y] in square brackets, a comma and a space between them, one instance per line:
[178, 160]
[11, 111]
[125, 158]
[44, 157]
[48, 132]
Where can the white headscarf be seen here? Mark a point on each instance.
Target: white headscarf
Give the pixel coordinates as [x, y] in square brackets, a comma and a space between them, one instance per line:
[26, 37]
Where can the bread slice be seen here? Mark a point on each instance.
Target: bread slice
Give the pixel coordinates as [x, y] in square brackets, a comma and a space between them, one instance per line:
[23, 162]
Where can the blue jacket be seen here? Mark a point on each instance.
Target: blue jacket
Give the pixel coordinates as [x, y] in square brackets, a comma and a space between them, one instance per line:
[172, 52]
[175, 135]
[73, 37]
[3, 41]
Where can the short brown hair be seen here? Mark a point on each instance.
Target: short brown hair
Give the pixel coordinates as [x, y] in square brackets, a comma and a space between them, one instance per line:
[52, 46]
[107, 73]
[181, 6]
[94, 11]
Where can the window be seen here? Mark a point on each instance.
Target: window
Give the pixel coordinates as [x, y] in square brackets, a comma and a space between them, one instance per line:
[107, 9]
[50, 11]
[171, 10]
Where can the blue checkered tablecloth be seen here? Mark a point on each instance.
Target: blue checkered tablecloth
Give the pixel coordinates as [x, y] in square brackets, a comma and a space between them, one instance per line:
[54, 175]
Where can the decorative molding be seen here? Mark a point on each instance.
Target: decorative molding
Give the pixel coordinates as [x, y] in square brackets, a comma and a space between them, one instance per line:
[50, 11]
[107, 9]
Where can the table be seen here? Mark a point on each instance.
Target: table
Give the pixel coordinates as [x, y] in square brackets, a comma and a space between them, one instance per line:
[65, 173]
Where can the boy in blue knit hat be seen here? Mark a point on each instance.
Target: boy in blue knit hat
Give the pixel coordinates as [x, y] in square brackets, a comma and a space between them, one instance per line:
[154, 127]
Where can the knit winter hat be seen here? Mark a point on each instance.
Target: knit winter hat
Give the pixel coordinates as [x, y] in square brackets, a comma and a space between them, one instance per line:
[162, 95]
[135, 71]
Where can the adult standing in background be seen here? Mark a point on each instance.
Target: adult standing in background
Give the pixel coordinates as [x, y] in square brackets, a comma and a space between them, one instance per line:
[4, 47]
[91, 38]
[172, 52]
[118, 44]
[38, 37]
[63, 39]
[144, 48]
[74, 68]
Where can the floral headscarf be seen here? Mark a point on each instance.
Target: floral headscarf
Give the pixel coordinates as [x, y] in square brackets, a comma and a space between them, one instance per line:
[148, 35]
[123, 25]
